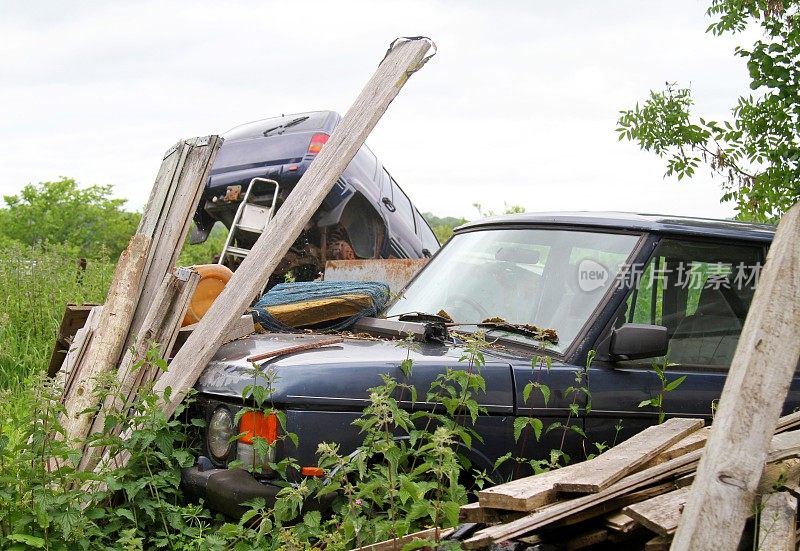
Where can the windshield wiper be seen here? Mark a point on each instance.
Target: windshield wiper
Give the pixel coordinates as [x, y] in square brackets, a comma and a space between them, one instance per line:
[542, 335]
[289, 124]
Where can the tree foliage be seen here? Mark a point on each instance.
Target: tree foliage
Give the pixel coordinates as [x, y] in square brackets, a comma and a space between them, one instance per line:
[757, 151]
[443, 226]
[85, 219]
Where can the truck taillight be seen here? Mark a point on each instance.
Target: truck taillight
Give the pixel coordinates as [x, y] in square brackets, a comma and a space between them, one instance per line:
[317, 141]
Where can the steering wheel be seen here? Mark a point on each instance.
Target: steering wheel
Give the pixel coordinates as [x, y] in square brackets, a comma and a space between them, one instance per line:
[454, 300]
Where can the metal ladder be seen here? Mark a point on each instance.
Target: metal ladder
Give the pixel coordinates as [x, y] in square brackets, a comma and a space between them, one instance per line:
[249, 217]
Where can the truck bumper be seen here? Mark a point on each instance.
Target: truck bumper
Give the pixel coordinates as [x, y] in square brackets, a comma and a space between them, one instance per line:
[224, 490]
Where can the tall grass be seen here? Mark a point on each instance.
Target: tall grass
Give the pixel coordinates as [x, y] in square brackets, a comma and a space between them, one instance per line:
[35, 285]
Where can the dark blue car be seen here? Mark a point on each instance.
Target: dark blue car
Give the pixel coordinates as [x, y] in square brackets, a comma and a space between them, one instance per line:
[366, 215]
[624, 289]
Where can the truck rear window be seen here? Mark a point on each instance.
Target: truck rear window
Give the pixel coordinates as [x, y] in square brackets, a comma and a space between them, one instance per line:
[310, 121]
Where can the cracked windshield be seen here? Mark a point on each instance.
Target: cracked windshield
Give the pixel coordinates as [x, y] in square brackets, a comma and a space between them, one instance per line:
[526, 285]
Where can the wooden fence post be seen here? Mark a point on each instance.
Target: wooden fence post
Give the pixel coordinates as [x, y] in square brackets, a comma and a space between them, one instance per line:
[249, 280]
[723, 493]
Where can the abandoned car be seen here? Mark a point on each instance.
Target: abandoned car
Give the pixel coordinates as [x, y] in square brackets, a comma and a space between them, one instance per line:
[366, 215]
[621, 290]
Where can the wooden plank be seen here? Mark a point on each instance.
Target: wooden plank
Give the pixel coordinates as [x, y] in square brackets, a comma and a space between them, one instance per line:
[74, 319]
[660, 514]
[778, 521]
[106, 344]
[66, 375]
[241, 328]
[160, 327]
[619, 522]
[168, 214]
[473, 512]
[602, 471]
[690, 443]
[397, 544]
[788, 422]
[558, 511]
[251, 276]
[528, 493]
[782, 446]
[723, 493]
[615, 504]
[659, 543]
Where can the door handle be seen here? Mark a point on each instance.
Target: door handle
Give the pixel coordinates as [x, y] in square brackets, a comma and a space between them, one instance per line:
[389, 205]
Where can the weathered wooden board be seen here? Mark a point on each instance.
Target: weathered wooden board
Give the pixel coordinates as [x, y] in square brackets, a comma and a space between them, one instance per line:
[690, 443]
[723, 493]
[66, 375]
[251, 276]
[778, 522]
[74, 319]
[624, 458]
[168, 214]
[660, 514]
[160, 328]
[106, 345]
[558, 511]
[528, 493]
[619, 522]
[241, 328]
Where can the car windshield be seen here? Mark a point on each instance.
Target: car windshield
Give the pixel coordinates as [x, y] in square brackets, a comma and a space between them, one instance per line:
[548, 278]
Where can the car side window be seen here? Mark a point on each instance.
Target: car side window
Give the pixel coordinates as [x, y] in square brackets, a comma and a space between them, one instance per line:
[701, 293]
[429, 240]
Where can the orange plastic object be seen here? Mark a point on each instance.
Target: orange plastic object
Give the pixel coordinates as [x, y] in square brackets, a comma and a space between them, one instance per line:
[213, 278]
[312, 471]
[255, 423]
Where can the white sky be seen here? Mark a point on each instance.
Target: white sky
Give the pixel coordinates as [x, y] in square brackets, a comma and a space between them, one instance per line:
[518, 107]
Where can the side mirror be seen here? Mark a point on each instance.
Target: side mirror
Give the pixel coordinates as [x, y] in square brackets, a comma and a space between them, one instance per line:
[633, 341]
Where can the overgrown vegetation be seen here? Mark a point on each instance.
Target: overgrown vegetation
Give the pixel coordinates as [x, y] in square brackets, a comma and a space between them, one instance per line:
[84, 221]
[756, 153]
[36, 284]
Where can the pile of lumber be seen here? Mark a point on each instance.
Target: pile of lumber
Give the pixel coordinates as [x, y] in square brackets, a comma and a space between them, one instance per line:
[630, 497]
[105, 365]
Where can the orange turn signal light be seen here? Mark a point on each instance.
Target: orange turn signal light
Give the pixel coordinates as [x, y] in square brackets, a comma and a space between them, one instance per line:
[256, 424]
[312, 471]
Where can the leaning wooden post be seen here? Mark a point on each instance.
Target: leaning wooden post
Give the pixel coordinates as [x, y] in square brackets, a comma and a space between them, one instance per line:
[402, 59]
[723, 494]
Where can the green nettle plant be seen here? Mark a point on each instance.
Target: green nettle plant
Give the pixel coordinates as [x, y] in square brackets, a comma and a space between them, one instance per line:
[756, 152]
[667, 386]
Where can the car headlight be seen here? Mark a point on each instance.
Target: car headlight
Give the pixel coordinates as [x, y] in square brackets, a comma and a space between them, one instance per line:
[220, 432]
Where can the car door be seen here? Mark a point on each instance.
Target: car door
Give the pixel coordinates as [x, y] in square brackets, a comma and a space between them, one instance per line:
[403, 239]
[701, 292]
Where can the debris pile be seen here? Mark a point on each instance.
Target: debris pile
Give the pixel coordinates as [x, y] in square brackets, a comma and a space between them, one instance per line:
[630, 495]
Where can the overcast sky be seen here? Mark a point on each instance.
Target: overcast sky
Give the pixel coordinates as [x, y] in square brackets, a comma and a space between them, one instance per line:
[518, 106]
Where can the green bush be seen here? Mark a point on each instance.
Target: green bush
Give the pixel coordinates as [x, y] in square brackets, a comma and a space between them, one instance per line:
[86, 221]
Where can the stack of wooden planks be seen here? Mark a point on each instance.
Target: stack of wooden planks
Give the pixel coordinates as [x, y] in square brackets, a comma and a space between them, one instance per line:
[630, 497]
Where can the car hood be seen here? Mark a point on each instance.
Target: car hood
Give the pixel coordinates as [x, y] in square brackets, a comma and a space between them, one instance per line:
[340, 375]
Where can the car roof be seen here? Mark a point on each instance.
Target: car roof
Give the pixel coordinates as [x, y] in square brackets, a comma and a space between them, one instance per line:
[627, 221]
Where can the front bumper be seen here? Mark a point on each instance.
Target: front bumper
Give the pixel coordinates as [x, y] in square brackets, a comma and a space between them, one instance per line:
[224, 490]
